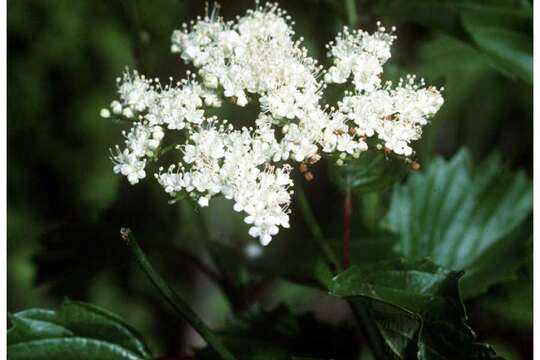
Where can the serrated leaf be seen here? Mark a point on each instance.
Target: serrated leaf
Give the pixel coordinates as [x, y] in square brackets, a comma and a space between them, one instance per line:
[416, 306]
[414, 286]
[467, 75]
[463, 218]
[509, 51]
[502, 30]
[77, 330]
[503, 33]
[91, 321]
[70, 348]
[372, 171]
[27, 329]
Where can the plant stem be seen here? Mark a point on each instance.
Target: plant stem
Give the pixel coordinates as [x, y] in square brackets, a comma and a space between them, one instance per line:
[316, 231]
[351, 12]
[361, 314]
[347, 210]
[177, 303]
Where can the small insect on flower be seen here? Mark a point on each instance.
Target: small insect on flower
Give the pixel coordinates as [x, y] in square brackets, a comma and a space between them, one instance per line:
[257, 56]
[392, 117]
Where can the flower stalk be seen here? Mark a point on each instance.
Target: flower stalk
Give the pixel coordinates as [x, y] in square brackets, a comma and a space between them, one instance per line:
[177, 303]
[347, 210]
[315, 229]
[351, 11]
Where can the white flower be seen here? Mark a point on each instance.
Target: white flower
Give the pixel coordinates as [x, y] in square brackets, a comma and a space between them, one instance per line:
[116, 107]
[105, 113]
[177, 106]
[203, 201]
[135, 91]
[257, 58]
[345, 143]
[143, 139]
[395, 115]
[172, 181]
[129, 165]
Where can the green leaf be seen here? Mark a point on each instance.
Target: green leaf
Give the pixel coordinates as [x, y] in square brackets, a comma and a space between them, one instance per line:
[70, 348]
[372, 171]
[77, 330]
[416, 306]
[509, 51]
[464, 218]
[27, 326]
[468, 78]
[502, 30]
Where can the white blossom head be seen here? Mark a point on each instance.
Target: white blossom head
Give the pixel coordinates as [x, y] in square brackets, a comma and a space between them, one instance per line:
[258, 58]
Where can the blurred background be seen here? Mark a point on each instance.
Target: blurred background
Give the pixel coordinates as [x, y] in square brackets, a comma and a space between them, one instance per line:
[65, 206]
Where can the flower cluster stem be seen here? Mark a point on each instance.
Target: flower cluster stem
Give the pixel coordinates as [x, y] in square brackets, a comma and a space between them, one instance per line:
[314, 227]
[361, 314]
[176, 302]
[352, 12]
[347, 210]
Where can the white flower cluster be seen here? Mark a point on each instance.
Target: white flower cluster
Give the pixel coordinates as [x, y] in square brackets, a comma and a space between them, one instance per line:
[360, 54]
[152, 107]
[256, 59]
[395, 114]
[235, 163]
[258, 56]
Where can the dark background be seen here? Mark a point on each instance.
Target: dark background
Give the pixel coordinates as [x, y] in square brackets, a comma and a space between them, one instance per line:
[65, 206]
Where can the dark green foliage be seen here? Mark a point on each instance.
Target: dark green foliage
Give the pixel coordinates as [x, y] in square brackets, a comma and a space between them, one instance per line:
[372, 171]
[417, 308]
[464, 218]
[500, 30]
[472, 222]
[75, 331]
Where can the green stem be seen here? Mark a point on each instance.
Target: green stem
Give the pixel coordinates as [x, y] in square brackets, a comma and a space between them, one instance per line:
[314, 227]
[177, 303]
[347, 210]
[351, 12]
[362, 315]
